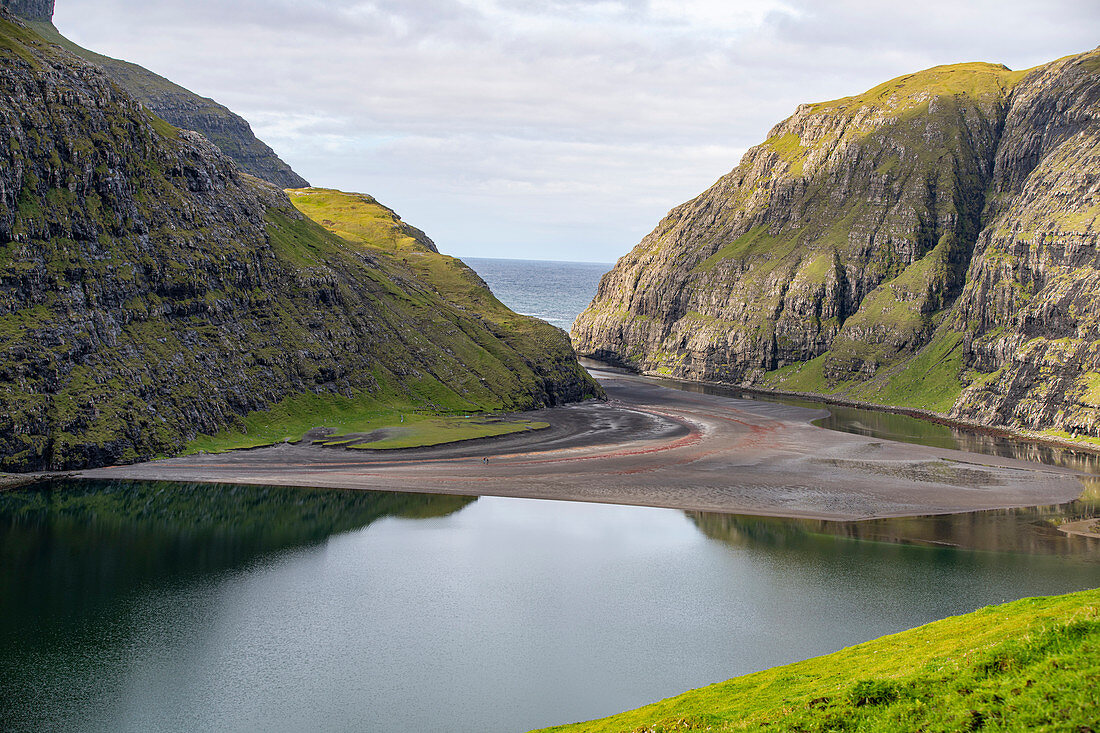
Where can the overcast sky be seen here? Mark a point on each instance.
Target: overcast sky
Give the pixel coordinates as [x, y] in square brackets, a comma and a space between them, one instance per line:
[548, 129]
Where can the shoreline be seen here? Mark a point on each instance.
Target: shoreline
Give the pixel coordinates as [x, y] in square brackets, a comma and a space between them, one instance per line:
[938, 418]
[653, 445]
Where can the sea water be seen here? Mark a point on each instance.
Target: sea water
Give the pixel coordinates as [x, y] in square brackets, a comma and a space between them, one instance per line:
[556, 292]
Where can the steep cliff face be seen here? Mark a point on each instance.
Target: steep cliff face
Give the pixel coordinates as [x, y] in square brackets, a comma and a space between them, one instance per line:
[150, 291]
[171, 102]
[41, 10]
[880, 246]
[1031, 309]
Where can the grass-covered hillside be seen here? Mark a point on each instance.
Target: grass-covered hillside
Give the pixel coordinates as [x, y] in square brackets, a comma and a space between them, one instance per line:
[1033, 664]
[406, 254]
[930, 243]
[151, 293]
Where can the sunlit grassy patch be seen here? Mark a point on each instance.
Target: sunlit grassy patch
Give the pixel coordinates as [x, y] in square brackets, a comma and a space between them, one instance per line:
[425, 431]
[410, 421]
[293, 417]
[1028, 665]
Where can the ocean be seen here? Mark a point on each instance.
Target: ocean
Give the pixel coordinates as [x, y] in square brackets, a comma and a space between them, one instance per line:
[556, 292]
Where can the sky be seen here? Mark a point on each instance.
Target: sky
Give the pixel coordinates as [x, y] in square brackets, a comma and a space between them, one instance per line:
[552, 129]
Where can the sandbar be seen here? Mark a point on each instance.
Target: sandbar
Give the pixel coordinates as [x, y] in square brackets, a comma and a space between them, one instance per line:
[651, 445]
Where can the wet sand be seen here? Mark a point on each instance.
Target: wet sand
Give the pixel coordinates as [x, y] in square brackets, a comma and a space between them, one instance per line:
[656, 446]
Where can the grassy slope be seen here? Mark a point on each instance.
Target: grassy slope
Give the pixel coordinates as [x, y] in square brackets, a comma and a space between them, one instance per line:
[973, 79]
[1032, 664]
[361, 220]
[407, 253]
[366, 340]
[911, 134]
[412, 408]
[436, 431]
[934, 377]
[931, 378]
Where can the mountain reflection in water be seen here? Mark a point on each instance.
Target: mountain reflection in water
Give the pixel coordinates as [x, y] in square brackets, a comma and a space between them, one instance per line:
[149, 607]
[907, 429]
[1031, 530]
[92, 542]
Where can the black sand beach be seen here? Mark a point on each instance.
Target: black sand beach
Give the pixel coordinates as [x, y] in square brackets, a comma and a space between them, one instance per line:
[655, 446]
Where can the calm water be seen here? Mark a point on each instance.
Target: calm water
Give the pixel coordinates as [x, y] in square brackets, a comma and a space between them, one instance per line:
[169, 607]
[156, 607]
[556, 292]
[907, 429]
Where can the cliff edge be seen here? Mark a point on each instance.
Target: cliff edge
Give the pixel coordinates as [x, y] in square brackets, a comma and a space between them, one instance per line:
[930, 243]
[151, 292]
[171, 102]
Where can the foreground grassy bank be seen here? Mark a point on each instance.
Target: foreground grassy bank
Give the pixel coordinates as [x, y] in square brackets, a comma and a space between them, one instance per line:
[1033, 664]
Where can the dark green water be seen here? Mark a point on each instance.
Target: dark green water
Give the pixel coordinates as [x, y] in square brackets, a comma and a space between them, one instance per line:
[156, 607]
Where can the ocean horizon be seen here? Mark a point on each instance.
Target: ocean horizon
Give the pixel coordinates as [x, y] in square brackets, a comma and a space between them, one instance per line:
[552, 290]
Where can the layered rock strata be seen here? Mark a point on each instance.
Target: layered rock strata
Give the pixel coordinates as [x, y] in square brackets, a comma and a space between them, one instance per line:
[930, 243]
[171, 102]
[150, 291]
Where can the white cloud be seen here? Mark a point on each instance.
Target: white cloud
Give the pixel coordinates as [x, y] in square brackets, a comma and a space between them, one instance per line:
[564, 126]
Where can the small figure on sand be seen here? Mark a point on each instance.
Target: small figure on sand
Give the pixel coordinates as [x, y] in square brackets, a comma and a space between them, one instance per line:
[486, 459]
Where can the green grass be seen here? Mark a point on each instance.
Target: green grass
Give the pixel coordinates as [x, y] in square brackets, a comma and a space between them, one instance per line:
[295, 240]
[1091, 383]
[756, 241]
[294, 416]
[481, 375]
[1032, 664]
[805, 376]
[223, 319]
[421, 431]
[789, 147]
[410, 423]
[1073, 437]
[931, 380]
[359, 218]
[974, 80]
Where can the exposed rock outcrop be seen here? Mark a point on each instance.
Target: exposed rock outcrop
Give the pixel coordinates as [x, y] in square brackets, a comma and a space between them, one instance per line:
[169, 101]
[30, 9]
[933, 234]
[151, 291]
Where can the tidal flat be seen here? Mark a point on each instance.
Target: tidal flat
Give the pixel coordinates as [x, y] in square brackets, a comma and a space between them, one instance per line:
[652, 445]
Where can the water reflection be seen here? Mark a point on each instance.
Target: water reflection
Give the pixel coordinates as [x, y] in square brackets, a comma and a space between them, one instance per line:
[1032, 530]
[85, 566]
[69, 548]
[166, 607]
[925, 432]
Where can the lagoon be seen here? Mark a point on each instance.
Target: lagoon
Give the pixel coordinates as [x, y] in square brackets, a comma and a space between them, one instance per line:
[164, 607]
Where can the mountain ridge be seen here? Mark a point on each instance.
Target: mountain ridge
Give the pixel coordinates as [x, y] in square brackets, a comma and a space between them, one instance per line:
[170, 101]
[151, 292]
[830, 259]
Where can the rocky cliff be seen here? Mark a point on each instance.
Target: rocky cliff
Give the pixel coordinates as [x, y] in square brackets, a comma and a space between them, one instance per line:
[171, 102]
[40, 10]
[150, 291]
[930, 243]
